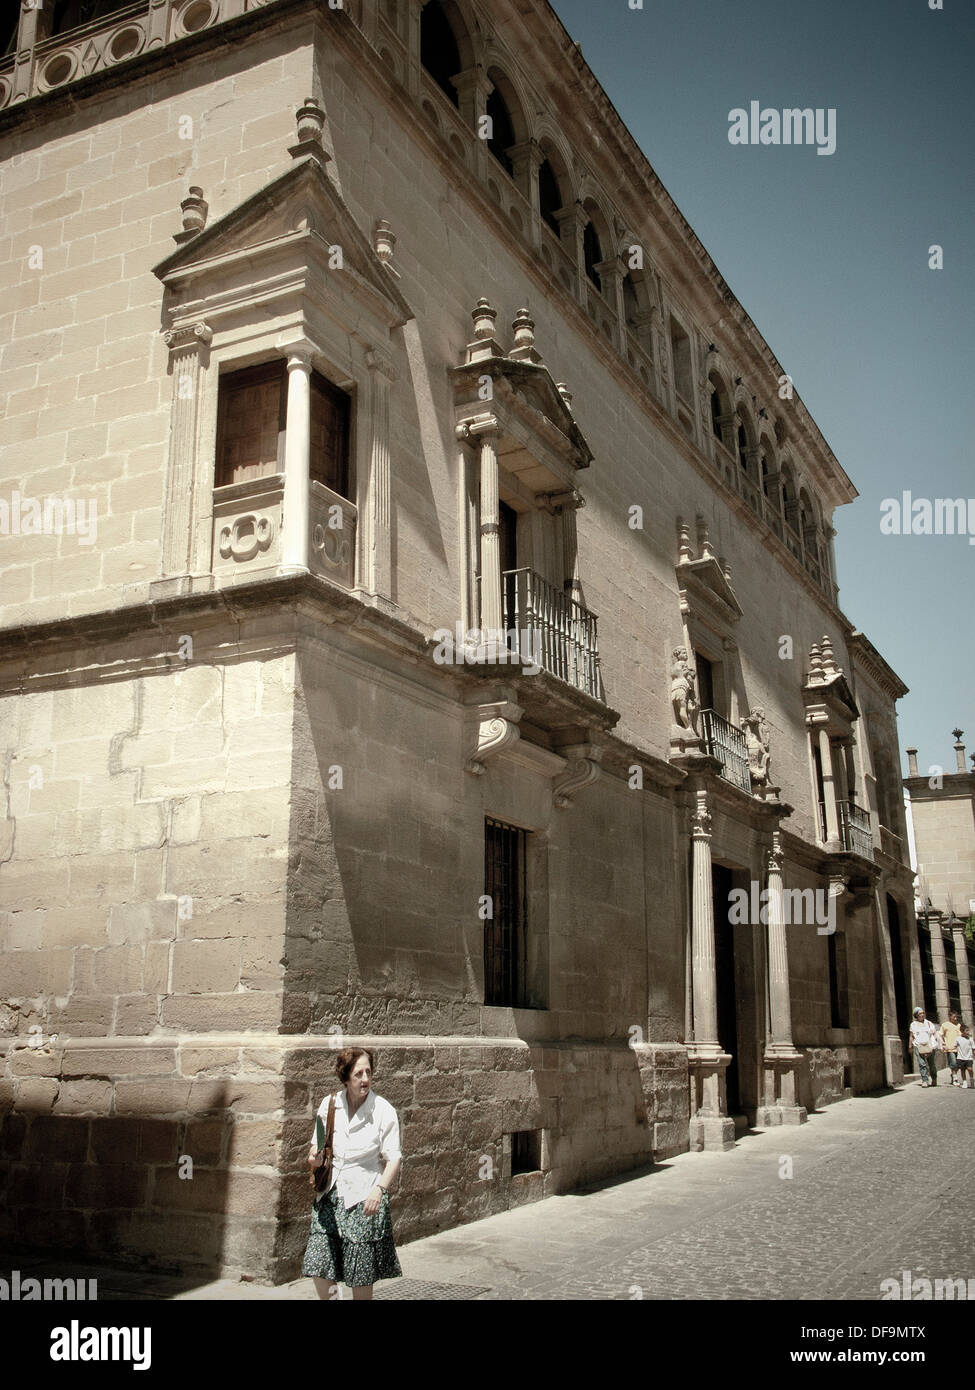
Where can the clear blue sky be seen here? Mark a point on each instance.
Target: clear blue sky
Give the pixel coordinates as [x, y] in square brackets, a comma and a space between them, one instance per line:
[829, 256]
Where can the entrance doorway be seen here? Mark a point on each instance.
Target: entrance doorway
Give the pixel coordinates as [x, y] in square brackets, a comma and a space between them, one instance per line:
[901, 1005]
[722, 881]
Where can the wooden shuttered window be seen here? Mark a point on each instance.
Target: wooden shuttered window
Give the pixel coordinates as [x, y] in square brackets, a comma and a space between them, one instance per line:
[251, 420]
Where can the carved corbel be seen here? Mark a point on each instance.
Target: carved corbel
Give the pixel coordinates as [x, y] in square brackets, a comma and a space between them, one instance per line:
[495, 728]
[583, 768]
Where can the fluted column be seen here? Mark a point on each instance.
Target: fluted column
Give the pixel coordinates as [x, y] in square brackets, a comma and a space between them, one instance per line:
[376, 569]
[297, 447]
[702, 926]
[492, 618]
[829, 788]
[186, 349]
[964, 974]
[780, 1003]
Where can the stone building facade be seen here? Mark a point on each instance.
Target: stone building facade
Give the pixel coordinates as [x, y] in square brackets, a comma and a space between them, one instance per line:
[319, 738]
[942, 812]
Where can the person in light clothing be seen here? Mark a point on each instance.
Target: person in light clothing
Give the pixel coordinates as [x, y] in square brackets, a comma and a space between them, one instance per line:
[923, 1040]
[966, 1056]
[949, 1035]
[351, 1236]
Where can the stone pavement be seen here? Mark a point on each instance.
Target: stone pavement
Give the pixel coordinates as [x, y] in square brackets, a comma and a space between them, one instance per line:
[879, 1184]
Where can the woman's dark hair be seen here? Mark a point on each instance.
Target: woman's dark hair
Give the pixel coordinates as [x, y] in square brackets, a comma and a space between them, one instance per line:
[347, 1059]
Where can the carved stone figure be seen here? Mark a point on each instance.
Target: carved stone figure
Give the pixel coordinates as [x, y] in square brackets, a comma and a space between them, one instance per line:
[756, 730]
[683, 692]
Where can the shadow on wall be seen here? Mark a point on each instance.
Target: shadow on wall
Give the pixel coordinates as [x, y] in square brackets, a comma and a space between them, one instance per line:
[120, 1188]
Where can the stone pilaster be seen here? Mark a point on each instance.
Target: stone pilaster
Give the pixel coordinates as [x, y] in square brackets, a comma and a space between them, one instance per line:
[781, 1058]
[375, 506]
[829, 789]
[187, 350]
[526, 160]
[34, 27]
[295, 511]
[710, 1125]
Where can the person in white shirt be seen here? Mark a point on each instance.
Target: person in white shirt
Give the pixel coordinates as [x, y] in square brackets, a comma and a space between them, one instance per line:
[966, 1055]
[923, 1041]
[351, 1237]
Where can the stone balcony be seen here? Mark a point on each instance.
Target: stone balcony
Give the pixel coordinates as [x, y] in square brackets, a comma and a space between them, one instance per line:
[247, 531]
[45, 63]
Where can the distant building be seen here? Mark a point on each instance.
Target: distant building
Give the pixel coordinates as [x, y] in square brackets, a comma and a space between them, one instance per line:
[599, 891]
[941, 806]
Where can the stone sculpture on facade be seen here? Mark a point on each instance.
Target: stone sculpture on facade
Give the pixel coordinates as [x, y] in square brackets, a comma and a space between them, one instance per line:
[683, 693]
[756, 730]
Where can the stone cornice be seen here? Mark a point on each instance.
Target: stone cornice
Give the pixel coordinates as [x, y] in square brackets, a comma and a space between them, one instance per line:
[866, 656]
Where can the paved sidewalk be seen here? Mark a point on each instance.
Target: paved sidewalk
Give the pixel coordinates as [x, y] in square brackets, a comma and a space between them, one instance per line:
[878, 1185]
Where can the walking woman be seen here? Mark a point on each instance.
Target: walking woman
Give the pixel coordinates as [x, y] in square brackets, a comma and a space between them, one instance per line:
[351, 1237]
[922, 1042]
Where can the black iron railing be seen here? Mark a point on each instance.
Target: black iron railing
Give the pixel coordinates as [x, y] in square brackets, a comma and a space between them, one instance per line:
[726, 743]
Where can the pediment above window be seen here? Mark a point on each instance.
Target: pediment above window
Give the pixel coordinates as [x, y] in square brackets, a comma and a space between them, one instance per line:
[294, 237]
[705, 583]
[826, 691]
[538, 438]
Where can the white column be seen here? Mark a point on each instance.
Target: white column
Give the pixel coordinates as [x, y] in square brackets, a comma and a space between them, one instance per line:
[780, 1003]
[702, 919]
[297, 446]
[492, 618]
[829, 788]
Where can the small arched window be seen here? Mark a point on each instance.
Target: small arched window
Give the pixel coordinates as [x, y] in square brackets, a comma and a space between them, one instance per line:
[742, 449]
[549, 196]
[593, 254]
[502, 131]
[439, 52]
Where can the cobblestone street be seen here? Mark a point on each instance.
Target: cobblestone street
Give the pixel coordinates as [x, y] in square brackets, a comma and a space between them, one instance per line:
[879, 1185]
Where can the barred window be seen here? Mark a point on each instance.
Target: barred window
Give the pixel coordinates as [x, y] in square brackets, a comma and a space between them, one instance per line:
[505, 931]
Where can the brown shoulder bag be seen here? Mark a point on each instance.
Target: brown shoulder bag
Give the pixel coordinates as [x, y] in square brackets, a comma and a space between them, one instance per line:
[322, 1175]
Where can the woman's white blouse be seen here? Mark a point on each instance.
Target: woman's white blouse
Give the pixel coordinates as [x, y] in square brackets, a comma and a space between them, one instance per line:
[362, 1145]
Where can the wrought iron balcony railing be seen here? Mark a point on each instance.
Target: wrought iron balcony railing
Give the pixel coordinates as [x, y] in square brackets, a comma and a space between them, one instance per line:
[561, 633]
[855, 832]
[726, 743]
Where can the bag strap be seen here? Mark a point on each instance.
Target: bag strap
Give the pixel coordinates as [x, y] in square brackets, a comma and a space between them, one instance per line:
[330, 1128]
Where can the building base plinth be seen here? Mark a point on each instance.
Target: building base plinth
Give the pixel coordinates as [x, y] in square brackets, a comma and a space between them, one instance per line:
[711, 1132]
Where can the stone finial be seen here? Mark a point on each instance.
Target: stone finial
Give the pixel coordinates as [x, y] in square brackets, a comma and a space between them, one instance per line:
[959, 750]
[829, 661]
[384, 240]
[311, 122]
[912, 762]
[684, 552]
[524, 331]
[704, 540]
[565, 393]
[194, 212]
[485, 317]
[815, 660]
[725, 568]
[972, 757]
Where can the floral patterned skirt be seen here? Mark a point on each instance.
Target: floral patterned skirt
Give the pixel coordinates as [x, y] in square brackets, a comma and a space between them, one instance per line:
[347, 1245]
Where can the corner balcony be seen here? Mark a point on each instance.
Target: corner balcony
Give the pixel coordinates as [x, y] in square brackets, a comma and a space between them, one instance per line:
[855, 833]
[561, 631]
[726, 743]
[248, 531]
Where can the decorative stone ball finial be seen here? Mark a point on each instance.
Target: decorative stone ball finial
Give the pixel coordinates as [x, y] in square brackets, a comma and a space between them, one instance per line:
[957, 734]
[524, 330]
[484, 317]
[385, 240]
[311, 122]
[194, 211]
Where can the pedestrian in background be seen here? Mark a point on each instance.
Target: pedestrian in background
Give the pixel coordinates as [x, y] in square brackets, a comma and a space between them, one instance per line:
[351, 1237]
[949, 1035]
[922, 1042]
[966, 1056]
